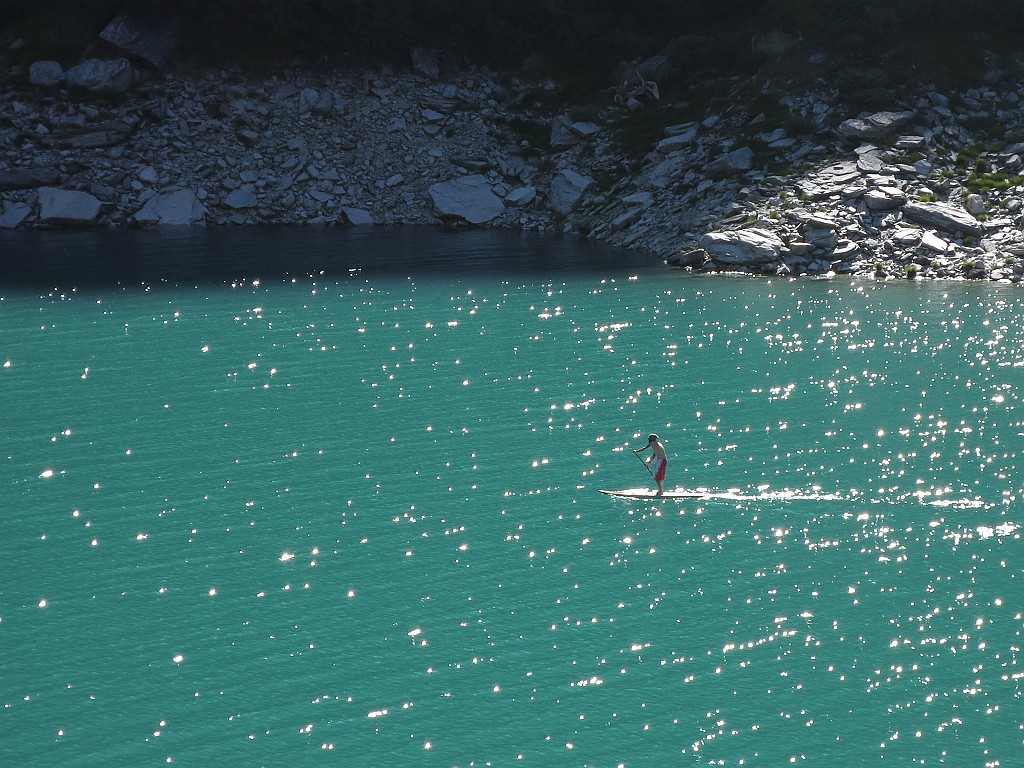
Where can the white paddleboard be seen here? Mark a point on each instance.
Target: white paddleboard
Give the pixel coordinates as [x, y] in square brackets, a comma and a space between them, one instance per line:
[647, 493]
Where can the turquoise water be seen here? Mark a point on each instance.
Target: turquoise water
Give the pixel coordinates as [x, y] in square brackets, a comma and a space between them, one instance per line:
[352, 518]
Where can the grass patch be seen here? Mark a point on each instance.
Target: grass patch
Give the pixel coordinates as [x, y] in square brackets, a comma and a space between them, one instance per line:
[991, 182]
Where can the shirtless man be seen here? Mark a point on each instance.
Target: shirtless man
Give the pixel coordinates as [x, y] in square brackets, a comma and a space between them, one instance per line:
[657, 463]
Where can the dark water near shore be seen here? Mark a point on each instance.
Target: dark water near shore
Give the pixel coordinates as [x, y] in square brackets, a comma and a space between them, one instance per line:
[323, 498]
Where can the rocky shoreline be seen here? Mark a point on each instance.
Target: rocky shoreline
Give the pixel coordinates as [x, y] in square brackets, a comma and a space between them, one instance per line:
[915, 191]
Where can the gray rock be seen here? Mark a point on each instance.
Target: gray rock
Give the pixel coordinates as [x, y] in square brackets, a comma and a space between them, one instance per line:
[876, 126]
[822, 238]
[626, 219]
[114, 76]
[738, 161]
[357, 217]
[690, 258]
[91, 136]
[943, 216]
[308, 98]
[178, 207]
[643, 199]
[324, 105]
[678, 140]
[45, 73]
[467, 198]
[567, 190]
[243, 197]
[13, 214]
[521, 196]
[975, 205]
[67, 208]
[906, 237]
[585, 129]
[665, 172]
[28, 178]
[150, 36]
[870, 161]
[562, 134]
[846, 250]
[744, 247]
[884, 198]
[932, 242]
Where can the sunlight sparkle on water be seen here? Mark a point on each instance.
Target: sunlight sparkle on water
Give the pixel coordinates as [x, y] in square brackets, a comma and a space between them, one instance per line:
[844, 568]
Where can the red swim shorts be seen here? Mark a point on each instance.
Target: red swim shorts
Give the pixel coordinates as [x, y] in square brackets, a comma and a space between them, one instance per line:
[659, 471]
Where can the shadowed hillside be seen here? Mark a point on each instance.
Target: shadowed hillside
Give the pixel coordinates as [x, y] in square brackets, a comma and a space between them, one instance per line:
[927, 39]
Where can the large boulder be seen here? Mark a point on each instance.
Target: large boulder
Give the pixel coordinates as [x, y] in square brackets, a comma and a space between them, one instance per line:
[45, 73]
[884, 198]
[27, 178]
[67, 208]
[468, 198]
[114, 76]
[943, 216]
[567, 190]
[243, 197]
[357, 217]
[13, 214]
[178, 207]
[151, 37]
[742, 247]
[562, 134]
[731, 163]
[875, 126]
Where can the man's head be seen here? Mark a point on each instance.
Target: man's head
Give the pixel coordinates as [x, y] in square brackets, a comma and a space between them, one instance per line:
[652, 439]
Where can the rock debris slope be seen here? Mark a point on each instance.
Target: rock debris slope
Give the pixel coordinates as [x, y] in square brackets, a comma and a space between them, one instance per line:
[886, 194]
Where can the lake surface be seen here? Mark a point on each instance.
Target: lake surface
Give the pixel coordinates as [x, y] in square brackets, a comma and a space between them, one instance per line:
[322, 498]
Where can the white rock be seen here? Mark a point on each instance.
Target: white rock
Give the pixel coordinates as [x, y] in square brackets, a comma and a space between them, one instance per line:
[884, 198]
[742, 247]
[933, 242]
[567, 189]
[521, 196]
[13, 214]
[678, 140]
[944, 216]
[468, 197]
[874, 126]
[66, 207]
[178, 207]
[357, 216]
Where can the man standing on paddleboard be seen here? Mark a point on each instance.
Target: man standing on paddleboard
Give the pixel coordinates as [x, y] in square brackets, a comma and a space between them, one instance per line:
[657, 463]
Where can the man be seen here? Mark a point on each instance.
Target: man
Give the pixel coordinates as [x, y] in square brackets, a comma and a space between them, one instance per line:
[657, 463]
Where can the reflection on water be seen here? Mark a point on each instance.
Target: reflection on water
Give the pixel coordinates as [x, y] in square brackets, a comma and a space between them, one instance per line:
[190, 255]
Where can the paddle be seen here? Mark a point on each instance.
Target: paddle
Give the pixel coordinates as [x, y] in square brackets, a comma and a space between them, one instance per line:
[646, 466]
